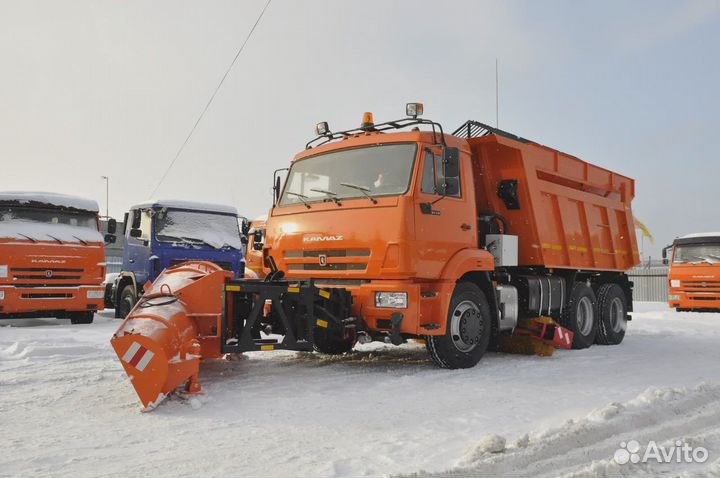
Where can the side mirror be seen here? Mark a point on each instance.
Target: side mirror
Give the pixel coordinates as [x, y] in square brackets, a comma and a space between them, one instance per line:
[136, 215]
[125, 222]
[276, 190]
[245, 228]
[111, 226]
[110, 238]
[665, 260]
[243, 240]
[134, 232]
[451, 162]
[257, 240]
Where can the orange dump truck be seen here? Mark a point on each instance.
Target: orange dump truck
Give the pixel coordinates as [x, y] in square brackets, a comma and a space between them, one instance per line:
[388, 232]
[694, 275]
[52, 256]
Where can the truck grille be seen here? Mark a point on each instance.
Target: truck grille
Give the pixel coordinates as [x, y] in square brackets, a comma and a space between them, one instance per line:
[51, 295]
[45, 273]
[327, 260]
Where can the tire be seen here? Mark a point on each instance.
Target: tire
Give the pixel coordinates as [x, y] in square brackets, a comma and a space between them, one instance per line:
[328, 343]
[127, 301]
[468, 330]
[579, 315]
[81, 317]
[611, 311]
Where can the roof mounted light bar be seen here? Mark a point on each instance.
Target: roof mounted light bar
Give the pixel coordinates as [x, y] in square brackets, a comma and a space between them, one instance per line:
[413, 110]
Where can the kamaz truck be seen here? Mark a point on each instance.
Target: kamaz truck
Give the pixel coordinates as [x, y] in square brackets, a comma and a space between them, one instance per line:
[161, 234]
[52, 256]
[396, 231]
[694, 275]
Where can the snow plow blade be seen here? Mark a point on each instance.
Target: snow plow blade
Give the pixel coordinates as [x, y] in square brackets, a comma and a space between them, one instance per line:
[537, 336]
[170, 329]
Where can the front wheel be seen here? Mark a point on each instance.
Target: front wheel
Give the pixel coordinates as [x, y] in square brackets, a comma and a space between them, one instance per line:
[82, 317]
[468, 330]
[128, 297]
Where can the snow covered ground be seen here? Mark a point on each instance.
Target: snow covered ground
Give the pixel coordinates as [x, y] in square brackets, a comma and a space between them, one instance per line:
[66, 408]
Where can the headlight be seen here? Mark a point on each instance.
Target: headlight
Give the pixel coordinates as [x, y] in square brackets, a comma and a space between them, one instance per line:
[674, 283]
[673, 297]
[3, 272]
[95, 294]
[2, 295]
[391, 300]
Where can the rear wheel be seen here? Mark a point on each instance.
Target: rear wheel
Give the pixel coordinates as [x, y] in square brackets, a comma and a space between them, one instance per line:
[611, 311]
[578, 315]
[468, 330]
[128, 297]
[82, 317]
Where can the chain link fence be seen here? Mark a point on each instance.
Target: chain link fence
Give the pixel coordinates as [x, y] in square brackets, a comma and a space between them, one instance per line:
[650, 282]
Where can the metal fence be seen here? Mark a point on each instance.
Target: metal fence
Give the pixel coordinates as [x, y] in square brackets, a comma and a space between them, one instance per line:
[650, 283]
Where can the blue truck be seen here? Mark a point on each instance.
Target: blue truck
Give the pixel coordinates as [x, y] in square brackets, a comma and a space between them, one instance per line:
[161, 234]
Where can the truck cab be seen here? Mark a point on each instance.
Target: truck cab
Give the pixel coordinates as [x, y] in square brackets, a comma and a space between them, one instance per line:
[52, 256]
[694, 275]
[161, 234]
[253, 256]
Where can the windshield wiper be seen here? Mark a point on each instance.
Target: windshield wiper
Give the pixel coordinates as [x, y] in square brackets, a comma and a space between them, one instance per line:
[361, 189]
[329, 194]
[27, 237]
[50, 235]
[84, 242]
[301, 197]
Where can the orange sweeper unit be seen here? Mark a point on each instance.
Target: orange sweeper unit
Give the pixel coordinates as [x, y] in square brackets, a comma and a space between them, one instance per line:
[398, 231]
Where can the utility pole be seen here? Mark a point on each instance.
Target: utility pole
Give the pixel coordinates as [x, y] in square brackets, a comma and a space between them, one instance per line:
[107, 196]
[497, 96]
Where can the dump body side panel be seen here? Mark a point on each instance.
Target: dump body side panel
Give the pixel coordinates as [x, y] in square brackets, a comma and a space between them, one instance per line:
[567, 213]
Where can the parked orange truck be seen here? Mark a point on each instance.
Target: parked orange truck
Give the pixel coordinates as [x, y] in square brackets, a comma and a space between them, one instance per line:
[694, 275]
[388, 232]
[52, 256]
[254, 254]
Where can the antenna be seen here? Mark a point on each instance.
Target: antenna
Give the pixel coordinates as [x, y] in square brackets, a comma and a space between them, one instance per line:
[497, 96]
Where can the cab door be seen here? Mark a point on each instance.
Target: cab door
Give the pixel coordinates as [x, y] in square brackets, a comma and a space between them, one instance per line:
[444, 225]
[137, 252]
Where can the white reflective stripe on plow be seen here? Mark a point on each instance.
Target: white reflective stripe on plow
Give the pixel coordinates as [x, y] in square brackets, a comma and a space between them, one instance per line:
[145, 360]
[131, 352]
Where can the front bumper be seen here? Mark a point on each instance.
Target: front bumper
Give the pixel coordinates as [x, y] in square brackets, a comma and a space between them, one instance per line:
[53, 300]
[694, 300]
[425, 314]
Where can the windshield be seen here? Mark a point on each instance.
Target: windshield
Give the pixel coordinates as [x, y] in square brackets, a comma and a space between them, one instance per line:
[373, 171]
[197, 228]
[51, 216]
[48, 224]
[697, 253]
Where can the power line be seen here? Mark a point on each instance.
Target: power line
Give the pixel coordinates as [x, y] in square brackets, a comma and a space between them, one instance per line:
[212, 97]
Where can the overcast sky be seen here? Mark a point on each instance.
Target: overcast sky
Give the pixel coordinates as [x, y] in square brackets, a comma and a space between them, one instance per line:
[91, 88]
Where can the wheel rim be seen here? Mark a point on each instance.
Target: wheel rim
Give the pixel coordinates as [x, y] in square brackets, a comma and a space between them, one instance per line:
[585, 317]
[618, 321]
[466, 326]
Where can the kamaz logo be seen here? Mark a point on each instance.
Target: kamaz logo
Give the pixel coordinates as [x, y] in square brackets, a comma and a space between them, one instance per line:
[322, 238]
[48, 261]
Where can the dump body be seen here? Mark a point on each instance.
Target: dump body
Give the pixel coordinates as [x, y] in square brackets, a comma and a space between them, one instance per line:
[52, 256]
[694, 275]
[567, 213]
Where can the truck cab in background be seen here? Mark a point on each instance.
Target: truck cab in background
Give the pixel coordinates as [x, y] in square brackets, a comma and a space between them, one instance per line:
[52, 256]
[254, 255]
[694, 275]
[161, 234]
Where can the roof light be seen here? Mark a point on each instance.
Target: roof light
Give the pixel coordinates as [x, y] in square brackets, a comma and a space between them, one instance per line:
[367, 121]
[321, 129]
[414, 109]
